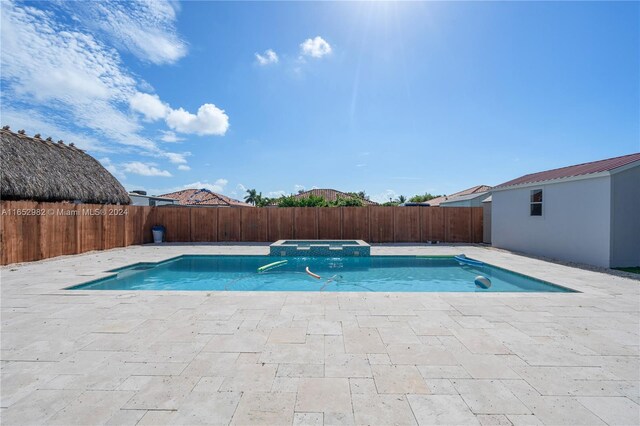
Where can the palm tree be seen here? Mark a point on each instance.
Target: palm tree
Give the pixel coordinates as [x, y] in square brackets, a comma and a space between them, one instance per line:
[263, 201]
[401, 199]
[251, 197]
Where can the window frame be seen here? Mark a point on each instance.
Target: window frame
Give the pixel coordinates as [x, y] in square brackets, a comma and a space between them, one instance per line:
[535, 203]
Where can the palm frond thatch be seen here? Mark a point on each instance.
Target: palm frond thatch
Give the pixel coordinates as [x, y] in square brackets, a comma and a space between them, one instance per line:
[42, 170]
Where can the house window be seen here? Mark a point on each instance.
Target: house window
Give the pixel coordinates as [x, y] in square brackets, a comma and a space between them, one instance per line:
[536, 202]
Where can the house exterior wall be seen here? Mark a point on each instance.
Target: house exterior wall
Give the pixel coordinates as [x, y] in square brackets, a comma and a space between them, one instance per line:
[625, 223]
[574, 226]
[142, 200]
[486, 222]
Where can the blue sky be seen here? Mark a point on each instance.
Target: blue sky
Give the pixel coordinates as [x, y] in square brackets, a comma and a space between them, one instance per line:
[390, 98]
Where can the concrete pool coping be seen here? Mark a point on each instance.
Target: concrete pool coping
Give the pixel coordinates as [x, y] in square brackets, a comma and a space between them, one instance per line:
[95, 356]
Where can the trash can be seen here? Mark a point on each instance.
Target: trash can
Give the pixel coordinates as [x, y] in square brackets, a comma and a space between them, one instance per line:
[158, 232]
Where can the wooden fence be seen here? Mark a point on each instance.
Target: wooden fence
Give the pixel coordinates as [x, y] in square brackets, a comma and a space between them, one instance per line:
[32, 231]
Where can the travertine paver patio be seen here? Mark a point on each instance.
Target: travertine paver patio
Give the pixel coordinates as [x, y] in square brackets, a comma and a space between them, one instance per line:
[124, 357]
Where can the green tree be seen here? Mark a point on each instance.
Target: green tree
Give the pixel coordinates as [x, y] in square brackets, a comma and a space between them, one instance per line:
[251, 196]
[318, 201]
[423, 198]
[401, 199]
[263, 201]
[359, 194]
[310, 201]
[347, 202]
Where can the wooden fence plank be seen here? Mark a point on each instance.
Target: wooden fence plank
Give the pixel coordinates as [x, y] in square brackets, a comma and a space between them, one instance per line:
[70, 228]
[477, 225]
[381, 224]
[355, 223]
[406, 225]
[437, 224]
[204, 224]
[254, 224]
[89, 230]
[134, 225]
[22, 232]
[305, 223]
[149, 219]
[177, 223]
[458, 224]
[330, 223]
[229, 224]
[280, 223]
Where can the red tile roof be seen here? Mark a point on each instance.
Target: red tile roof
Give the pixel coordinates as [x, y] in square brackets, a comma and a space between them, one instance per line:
[577, 170]
[473, 190]
[203, 197]
[331, 195]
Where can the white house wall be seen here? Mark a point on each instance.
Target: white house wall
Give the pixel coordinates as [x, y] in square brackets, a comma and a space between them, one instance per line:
[574, 226]
[625, 224]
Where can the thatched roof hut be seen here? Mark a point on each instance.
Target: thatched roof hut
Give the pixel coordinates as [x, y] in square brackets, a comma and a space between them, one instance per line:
[32, 168]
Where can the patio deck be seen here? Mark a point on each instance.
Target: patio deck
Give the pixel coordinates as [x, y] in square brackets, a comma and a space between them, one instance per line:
[124, 357]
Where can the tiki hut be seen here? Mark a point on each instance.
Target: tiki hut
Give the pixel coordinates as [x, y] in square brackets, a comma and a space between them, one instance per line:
[32, 168]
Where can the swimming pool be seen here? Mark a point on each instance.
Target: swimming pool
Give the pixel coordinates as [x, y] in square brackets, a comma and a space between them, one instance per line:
[337, 274]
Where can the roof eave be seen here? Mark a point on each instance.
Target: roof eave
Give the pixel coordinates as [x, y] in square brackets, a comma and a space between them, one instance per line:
[553, 181]
[569, 178]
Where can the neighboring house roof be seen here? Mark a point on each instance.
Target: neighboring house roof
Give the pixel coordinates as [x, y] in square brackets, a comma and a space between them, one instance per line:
[473, 190]
[466, 197]
[42, 170]
[331, 195]
[153, 197]
[583, 169]
[203, 197]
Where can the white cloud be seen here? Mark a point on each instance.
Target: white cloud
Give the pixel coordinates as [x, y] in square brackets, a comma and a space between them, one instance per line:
[184, 167]
[315, 47]
[276, 194]
[150, 106]
[169, 136]
[33, 122]
[84, 79]
[62, 74]
[144, 169]
[144, 28]
[209, 120]
[298, 188]
[177, 158]
[383, 197]
[217, 186]
[240, 187]
[112, 168]
[268, 57]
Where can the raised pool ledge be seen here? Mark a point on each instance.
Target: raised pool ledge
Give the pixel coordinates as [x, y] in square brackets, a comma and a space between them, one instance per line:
[320, 248]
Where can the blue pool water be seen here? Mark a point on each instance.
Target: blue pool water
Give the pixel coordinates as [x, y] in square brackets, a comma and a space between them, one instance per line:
[338, 274]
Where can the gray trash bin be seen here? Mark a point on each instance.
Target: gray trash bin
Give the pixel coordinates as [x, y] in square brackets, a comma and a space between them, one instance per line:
[158, 233]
